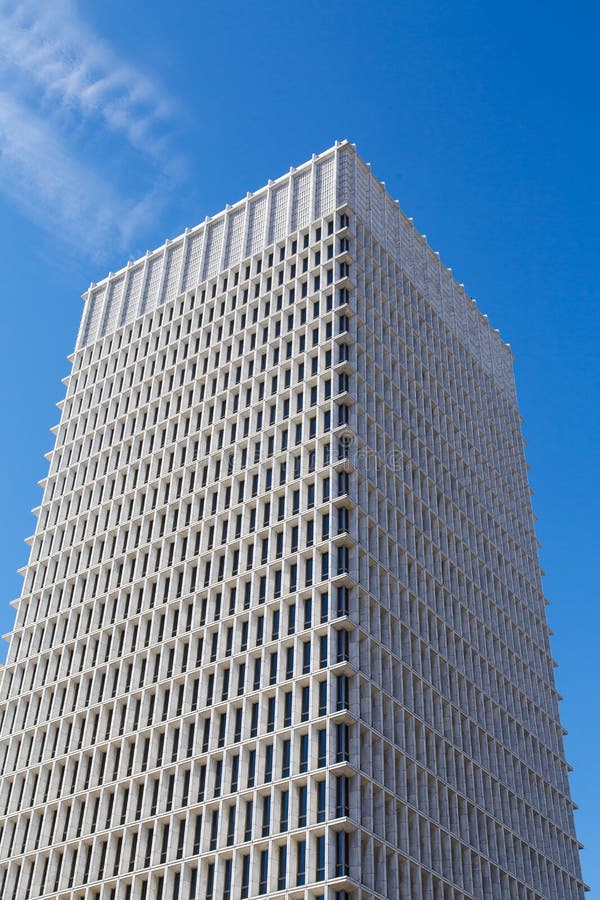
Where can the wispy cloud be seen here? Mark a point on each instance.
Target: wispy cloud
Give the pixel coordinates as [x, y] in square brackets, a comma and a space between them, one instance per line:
[51, 186]
[56, 78]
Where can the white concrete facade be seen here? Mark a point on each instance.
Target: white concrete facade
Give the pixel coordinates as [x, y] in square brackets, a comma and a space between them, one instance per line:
[282, 630]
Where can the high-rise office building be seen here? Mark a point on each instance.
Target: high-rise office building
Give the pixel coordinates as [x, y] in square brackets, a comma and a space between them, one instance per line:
[282, 630]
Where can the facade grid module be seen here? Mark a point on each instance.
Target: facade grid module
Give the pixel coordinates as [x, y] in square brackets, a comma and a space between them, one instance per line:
[282, 630]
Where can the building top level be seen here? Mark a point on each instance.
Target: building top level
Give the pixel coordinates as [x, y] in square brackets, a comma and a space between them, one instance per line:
[328, 182]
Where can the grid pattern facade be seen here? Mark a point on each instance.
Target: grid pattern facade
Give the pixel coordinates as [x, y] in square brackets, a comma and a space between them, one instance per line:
[282, 630]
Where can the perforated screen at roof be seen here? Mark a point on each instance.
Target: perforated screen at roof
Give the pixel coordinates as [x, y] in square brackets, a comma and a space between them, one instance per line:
[327, 182]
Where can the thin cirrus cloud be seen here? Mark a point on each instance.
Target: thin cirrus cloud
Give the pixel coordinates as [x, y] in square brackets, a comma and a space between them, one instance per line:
[51, 187]
[57, 80]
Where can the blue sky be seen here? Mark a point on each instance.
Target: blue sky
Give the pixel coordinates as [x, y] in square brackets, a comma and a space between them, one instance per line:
[121, 124]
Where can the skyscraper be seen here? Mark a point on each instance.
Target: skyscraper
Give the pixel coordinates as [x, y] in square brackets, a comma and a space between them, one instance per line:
[282, 630]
